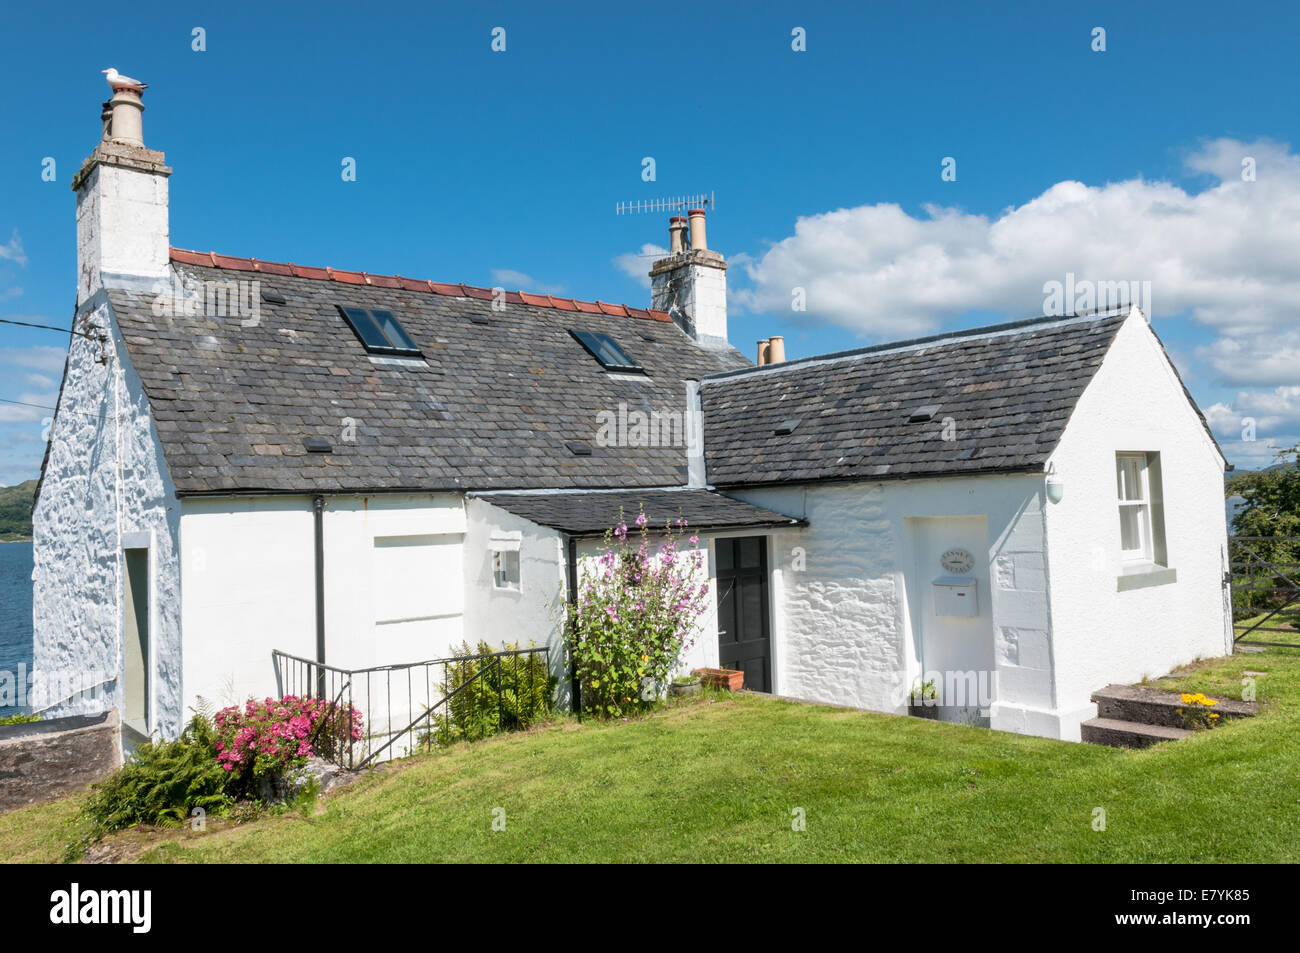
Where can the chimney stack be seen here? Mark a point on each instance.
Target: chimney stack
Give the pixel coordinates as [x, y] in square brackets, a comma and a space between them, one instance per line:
[776, 350]
[691, 283]
[121, 188]
[764, 351]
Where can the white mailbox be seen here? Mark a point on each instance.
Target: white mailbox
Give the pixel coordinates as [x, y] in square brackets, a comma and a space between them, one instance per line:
[955, 595]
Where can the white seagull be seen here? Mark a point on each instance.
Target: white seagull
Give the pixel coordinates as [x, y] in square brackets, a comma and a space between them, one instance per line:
[116, 79]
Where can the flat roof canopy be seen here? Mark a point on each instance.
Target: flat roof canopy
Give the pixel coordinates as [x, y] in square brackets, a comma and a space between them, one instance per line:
[591, 513]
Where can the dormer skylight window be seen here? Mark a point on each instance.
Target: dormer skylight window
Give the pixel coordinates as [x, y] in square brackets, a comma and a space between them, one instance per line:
[604, 349]
[380, 332]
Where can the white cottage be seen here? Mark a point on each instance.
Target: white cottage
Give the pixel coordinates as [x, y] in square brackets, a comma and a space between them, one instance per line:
[363, 470]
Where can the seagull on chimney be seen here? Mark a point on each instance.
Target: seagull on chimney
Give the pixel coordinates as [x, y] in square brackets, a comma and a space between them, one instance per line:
[116, 79]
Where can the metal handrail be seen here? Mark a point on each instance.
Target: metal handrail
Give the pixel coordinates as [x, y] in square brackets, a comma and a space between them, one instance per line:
[298, 675]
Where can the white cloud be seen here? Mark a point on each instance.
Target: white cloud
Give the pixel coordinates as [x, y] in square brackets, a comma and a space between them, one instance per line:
[41, 357]
[636, 264]
[28, 407]
[517, 280]
[1256, 422]
[12, 250]
[1227, 254]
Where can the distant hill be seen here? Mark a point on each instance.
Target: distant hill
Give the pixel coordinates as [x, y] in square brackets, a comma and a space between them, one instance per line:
[16, 511]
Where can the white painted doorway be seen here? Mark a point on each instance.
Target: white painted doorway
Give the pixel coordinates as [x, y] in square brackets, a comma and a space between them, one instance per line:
[954, 639]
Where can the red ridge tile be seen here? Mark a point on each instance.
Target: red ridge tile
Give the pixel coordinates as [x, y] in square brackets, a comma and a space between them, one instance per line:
[234, 264]
[289, 269]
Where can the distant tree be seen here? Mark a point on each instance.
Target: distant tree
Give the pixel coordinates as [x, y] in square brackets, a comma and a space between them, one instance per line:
[1271, 509]
[1272, 497]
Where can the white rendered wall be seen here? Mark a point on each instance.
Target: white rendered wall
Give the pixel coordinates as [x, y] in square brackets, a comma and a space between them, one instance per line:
[105, 485]
[250, 586]
[529, 615]
[401, 600]
[249, 582]
[1134, 403]
[842, 628]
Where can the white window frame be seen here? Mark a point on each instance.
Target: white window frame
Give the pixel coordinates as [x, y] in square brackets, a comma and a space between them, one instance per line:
[1143, 553]
[501, 570]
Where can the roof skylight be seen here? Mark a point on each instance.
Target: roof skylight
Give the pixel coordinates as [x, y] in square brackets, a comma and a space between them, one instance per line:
[380, 332]
[604, 349]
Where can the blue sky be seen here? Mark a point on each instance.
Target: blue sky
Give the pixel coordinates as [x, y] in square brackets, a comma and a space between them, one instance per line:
[505, 168]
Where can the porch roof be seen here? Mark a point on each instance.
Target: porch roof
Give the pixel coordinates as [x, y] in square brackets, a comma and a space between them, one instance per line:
[591, 513]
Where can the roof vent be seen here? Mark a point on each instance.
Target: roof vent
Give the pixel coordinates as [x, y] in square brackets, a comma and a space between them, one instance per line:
[274, 297]
[480, 319]
[786, 427]
[922, 414]
[317, 445]
[577, 448]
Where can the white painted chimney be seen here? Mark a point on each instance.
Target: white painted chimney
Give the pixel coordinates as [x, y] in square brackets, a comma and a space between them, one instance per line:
[691, 283]
[121, 188]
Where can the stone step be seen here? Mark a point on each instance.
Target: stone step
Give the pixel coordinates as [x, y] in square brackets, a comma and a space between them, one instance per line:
[1128, 734]
[1152, 707]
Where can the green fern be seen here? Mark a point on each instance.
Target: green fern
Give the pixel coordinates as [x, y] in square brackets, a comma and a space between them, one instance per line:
[162, 784]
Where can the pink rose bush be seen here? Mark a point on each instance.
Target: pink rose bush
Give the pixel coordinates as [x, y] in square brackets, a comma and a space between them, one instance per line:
[636, 612]
[277, 736]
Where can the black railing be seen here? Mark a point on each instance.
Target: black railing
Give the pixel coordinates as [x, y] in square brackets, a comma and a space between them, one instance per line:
[418, 705]
[1264, 579]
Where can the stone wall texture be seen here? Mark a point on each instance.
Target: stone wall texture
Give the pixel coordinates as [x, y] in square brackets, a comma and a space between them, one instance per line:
[45, 760]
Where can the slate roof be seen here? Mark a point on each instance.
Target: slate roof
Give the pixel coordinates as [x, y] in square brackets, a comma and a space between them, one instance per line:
[493, 406]
[1009, 390]
[591, 514]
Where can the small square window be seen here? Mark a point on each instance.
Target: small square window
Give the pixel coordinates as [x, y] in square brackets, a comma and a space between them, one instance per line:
[505, 569]
[380, 332]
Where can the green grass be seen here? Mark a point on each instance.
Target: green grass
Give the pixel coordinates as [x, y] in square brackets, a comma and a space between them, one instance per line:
[1287, 621]
[718, 779]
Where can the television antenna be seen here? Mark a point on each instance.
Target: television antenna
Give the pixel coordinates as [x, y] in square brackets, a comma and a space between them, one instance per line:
[672, 203]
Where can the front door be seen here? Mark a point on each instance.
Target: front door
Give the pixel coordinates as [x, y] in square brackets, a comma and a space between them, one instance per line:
[743, 630]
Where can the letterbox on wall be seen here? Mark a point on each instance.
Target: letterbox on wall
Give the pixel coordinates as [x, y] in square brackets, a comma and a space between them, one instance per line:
[956, 596]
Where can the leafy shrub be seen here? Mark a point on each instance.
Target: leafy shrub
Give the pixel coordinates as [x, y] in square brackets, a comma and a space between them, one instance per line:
[635, 614]
[162, 783]
[489, 695]
[22, 718]
[274, 738]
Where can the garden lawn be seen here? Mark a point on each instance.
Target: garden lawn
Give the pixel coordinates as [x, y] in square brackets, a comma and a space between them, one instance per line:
[722, 779]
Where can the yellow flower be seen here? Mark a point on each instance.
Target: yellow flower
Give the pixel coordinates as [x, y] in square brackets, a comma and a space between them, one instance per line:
[1213, 715]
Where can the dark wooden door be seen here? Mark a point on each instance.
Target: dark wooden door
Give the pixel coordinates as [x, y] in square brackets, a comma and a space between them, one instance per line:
[743, 632]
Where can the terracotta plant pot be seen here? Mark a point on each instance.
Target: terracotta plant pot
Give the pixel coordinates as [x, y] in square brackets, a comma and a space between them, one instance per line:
[733, 680]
